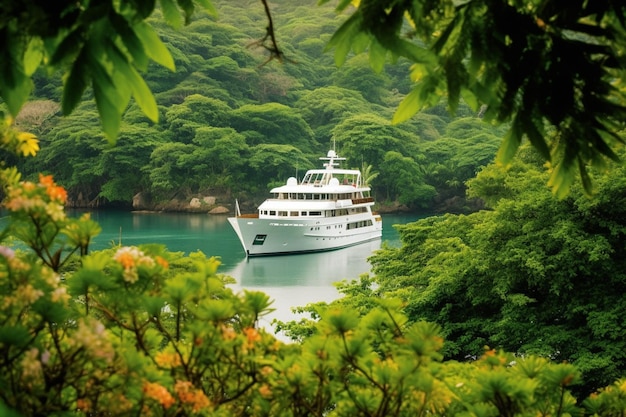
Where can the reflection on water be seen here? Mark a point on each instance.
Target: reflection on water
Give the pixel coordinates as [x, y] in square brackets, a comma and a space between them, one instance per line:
[298, 280]
[312, 269]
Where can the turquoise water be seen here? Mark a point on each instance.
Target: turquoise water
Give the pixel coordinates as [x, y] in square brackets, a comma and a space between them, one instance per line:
[291, 281]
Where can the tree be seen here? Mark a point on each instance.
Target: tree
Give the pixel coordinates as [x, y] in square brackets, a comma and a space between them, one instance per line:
[273, 123]
[324, 107]
[552, 70]
[105, 45]
[356, 75]
[535, 275]
[368, 136]
[219, 159]
[404, 181]
[274, 163]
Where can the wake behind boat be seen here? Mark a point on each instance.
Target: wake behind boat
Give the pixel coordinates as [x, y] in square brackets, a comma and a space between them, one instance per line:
[331, 208]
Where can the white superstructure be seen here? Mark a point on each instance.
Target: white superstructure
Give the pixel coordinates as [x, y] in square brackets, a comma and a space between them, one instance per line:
[330, 208]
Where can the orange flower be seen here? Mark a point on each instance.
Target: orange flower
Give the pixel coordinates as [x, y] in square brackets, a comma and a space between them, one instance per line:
[83, 404]
[252, 336]
[190, 395]
[265, 391]
[57, 193]
[162, 262]
[126, 259]
[228, 333]
[159, 393]
[46, 180]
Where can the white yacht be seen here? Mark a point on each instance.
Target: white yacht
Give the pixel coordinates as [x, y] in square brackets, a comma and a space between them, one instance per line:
[330, 208]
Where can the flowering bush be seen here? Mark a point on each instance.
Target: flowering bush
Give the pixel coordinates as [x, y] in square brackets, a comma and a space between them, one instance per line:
[143, 331]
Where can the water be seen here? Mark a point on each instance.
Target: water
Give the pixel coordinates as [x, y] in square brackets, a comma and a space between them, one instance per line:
[291, 280]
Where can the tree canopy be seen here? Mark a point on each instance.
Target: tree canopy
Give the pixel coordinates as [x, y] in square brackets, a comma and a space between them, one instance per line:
[533, 275]
[554, 70]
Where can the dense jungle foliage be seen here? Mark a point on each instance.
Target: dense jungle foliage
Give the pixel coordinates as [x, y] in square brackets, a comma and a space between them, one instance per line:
[533, 275]
[231, 126]
[142, 331]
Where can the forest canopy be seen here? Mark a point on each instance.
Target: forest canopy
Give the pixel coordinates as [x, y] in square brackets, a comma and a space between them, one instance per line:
[140, 330]
[552, 71]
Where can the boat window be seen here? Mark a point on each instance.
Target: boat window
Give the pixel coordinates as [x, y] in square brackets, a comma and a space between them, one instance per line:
[259, 239]
[272, 213]
[304, 213]
[315, 213]
[282, 213]
[294, 213]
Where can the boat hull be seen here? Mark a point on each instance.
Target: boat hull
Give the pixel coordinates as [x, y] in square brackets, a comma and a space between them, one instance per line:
[266, 237]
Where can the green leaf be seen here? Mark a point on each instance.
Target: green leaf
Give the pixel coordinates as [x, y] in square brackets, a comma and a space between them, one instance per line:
[423, 95]
[171, 13]
[188, 7]
[259, 302]
[377, 56]
[342, 38]
[511, 143]
[561, 179]
[470, 98]
[33, 56]
[14, 335]
[408, 106]
[154, 47]
[70, 45]
[585, 178]
[75, 85]
[15, 86]
[534, 131]
[140, 90]
[208, 7]
[133, 44]
[108, 111]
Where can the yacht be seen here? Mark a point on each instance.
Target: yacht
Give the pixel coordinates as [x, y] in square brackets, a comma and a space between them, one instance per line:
[331, 208]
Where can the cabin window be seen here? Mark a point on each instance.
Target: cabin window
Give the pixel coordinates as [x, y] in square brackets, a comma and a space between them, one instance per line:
[259, 239]
[272, 212]
[294, 213]
[360, 224]
[282, 213]
[315, 213]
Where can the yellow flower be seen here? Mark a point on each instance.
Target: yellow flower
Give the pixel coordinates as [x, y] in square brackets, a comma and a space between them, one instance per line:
[28, 144]
[167, 359]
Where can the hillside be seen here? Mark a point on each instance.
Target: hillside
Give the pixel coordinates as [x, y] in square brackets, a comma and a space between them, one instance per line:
[232, 124]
